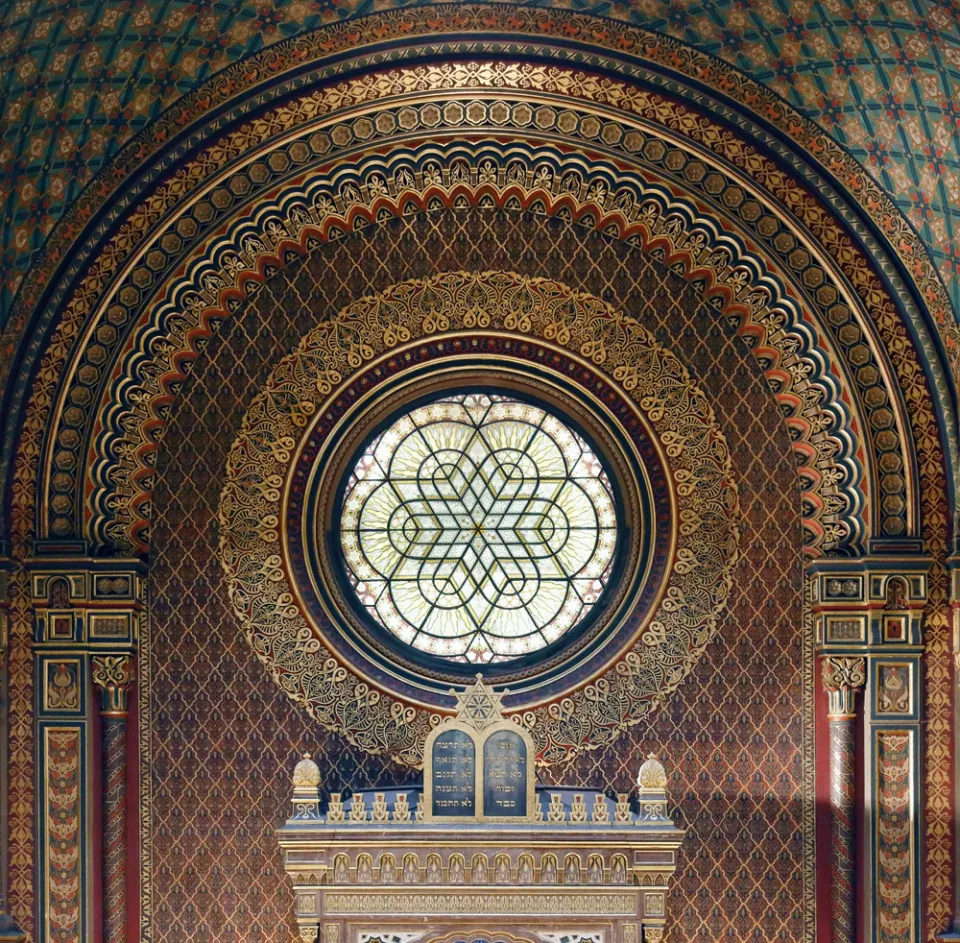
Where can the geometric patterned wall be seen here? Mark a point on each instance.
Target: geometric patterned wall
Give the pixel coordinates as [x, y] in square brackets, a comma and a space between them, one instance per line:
[737, 736]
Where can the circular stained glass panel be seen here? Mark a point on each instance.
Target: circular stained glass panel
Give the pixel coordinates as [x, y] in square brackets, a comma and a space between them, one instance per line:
[478, 528]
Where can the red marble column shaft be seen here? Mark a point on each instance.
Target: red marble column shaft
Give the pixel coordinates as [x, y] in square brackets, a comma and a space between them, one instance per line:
[112, 675]
[842, 676]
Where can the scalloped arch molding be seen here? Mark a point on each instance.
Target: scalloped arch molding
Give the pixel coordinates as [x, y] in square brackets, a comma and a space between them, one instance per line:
[928, 312]
[884, 80]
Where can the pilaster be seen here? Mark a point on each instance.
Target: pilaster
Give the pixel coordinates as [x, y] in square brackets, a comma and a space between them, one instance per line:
[10, 932]
[952, 934]
[871, 610]
[85, 609]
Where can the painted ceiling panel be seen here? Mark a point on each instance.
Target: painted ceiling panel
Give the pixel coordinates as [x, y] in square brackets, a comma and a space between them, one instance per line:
[80, 78]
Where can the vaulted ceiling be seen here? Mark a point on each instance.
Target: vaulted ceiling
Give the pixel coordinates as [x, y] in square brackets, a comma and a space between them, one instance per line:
[81, 78]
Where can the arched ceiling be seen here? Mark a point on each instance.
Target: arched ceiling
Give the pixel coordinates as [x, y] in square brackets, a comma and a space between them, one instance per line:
[81, 79]
[903, 279]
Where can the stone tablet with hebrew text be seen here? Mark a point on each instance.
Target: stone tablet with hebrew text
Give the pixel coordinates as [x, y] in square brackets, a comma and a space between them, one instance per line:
[453, 763]
[505, 775]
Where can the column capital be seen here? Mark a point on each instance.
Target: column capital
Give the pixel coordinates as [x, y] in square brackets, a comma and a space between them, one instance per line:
[113, 674]
[843, 675]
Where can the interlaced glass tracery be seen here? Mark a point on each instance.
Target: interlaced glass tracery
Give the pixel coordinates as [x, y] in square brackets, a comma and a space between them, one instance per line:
[478, 528]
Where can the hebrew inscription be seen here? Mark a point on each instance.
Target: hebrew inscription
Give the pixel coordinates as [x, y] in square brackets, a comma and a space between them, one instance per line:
[453, 762]
[505, 774]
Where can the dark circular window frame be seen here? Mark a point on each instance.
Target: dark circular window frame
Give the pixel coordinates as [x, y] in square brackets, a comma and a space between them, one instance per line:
[315, 500]
[468, 670]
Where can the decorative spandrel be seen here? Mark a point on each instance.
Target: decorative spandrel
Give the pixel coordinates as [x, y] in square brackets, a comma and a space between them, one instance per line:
[505, 762]
[453, 767]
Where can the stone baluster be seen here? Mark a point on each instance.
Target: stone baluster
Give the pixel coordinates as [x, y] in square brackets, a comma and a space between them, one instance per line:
[842, 677]
[112, 675]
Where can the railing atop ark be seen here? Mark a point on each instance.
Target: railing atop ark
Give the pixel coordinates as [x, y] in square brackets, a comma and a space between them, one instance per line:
[479, 848]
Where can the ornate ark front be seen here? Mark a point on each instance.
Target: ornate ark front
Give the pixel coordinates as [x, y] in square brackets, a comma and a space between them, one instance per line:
[479, 849]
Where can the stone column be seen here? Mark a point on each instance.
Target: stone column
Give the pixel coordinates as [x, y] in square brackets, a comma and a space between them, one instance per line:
[112, 675]
[842, 677]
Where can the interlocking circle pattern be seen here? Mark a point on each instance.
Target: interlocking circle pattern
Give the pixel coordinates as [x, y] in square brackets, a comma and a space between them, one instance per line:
[478, 528]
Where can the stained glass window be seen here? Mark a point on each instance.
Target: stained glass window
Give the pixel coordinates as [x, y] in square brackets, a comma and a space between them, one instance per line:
[478, 528]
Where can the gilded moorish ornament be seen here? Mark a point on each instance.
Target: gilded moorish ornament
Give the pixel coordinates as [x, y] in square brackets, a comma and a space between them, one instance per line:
[882, 410]
[808, 284]
[439, 319]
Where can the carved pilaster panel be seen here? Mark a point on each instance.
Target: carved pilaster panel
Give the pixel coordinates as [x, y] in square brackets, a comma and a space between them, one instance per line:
[896, 904]
[64, 879]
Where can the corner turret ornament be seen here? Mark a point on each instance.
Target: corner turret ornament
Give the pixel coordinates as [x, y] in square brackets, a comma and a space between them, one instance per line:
[396, 863]
[652, 795]
[306, 792]
[652, 775]
[306, 773]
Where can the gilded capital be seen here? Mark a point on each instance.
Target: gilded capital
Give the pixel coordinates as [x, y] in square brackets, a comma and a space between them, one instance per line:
[112, 674]
[842, 676]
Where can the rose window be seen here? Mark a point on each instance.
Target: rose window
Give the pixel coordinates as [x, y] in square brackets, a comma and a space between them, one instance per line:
[478, 528]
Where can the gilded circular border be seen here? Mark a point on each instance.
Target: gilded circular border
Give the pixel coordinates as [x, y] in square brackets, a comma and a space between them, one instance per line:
[580, 325]
[535, 371]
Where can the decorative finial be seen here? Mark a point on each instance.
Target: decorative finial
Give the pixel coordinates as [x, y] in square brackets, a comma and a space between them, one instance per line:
[479, 705]
[652, 774]
[306, 773]
[652, 781]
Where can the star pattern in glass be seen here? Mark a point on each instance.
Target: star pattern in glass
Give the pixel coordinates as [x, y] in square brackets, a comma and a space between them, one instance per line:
[478, 528]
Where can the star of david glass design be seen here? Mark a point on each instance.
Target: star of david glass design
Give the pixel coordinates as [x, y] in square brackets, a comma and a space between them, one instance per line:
[479, 705]
[478, 528]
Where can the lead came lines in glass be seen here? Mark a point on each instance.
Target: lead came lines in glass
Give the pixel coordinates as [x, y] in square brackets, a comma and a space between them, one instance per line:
[478, 528]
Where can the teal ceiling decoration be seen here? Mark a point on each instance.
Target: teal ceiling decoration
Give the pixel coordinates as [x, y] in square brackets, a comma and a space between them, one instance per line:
[81, 78]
